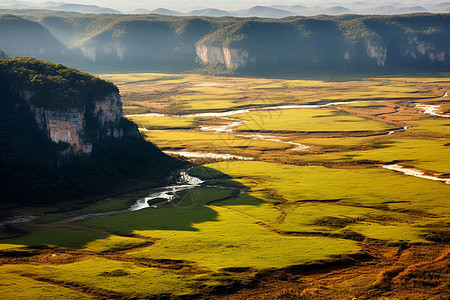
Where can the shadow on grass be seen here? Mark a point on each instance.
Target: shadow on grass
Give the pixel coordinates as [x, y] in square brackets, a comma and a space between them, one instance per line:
[193, 208]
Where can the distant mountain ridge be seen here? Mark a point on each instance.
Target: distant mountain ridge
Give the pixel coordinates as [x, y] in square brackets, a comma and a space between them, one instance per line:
[265, 12]
[82, 8]
[258, 10]
[21, 37]
[59, 6]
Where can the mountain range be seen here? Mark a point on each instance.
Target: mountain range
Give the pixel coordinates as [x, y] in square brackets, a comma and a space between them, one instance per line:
[247, 45]
[265, 11]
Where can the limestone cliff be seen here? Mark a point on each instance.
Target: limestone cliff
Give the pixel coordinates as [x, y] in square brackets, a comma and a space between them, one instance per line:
[366, 52]
[231, 58]
[114, 51]
[376, 51]
[303, 44]
[79, 128]
[418, 48]
[74, 109]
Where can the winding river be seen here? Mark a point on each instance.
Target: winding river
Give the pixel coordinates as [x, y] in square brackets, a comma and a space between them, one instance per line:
[243, 111]
[167, 194]
[415, 173]
[432, 110]
[235, 123]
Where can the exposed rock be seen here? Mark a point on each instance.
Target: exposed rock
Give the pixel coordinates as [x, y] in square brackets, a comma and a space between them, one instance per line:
[89, 52]
[377, 52]
[231, 58]
[417, 48]
[70, 125]
[67, 126]
[114, 50]
[109, 109]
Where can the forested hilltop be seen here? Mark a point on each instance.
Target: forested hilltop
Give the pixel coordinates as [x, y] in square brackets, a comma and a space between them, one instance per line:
[55, 86]
[411, 42]
[64, 136]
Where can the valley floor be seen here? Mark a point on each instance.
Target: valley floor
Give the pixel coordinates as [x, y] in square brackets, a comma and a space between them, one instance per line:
[305, 189]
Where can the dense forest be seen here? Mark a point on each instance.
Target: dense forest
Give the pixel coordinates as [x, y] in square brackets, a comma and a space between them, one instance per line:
[56, 86]
[32, 169]
[157, 42]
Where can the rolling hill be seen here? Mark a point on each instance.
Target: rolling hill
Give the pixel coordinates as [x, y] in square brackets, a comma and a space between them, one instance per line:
[248, 45]
[21, 37]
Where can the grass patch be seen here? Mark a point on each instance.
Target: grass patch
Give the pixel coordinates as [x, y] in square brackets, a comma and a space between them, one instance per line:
[164, 122]
[73, 238]
[133, 109]
[311, 120]
[103, 206]
[365, 187]
[433, 127]
[390, 232]
[15, 286]
[59, 237]
[213, 236]
[212, 142]
[91, 273]
[426, 154]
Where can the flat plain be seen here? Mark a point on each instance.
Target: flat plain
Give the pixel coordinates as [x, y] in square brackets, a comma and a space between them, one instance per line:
[311, 213]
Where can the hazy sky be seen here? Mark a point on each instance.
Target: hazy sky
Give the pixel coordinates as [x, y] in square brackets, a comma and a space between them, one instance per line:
[183, 5]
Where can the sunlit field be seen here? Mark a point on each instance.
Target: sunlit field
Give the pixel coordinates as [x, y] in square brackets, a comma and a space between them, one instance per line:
[313, 194]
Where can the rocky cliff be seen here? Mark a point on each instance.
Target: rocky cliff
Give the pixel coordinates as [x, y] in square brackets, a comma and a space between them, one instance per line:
[417, 48]
[143, 42]
[346, 43]
[231, 58]
[64, 136]
[70, 125]
[75, 121]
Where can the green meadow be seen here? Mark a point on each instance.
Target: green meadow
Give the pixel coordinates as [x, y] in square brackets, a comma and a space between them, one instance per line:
[357, 187]
[163, 122]
[308, 120]
[212, 142]
[435, 127]
[426, 154]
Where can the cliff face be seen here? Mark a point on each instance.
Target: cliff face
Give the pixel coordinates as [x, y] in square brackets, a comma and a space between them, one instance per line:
[66, 126]
[114, 51]
[377, 52]
[231, 58]
[145, 42]
[79, 128]
[417, 48]
[413, 52]
[357, 43]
